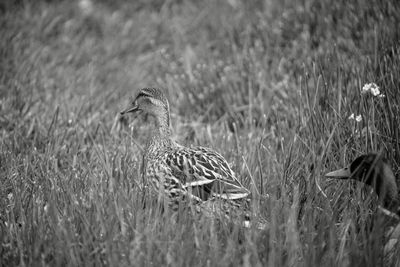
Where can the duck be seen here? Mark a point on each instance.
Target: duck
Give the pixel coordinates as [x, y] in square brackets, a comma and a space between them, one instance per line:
[373, 170]
[178, 172]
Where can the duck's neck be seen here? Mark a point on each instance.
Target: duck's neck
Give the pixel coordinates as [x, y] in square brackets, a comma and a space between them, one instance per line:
[160, 137]
[162, 124]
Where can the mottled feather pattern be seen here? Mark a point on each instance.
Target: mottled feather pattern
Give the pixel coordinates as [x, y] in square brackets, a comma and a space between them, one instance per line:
[161, 174]
[191, 169]
[201, 166]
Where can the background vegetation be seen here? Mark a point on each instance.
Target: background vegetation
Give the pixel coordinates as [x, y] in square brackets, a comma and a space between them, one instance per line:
[269, 84]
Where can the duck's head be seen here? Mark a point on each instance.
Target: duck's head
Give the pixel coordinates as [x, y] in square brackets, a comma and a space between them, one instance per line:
[372, 170]
[359, 169]
[151, 101]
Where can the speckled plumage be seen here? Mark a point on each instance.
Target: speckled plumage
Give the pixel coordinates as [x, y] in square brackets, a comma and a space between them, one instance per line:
[195, 172]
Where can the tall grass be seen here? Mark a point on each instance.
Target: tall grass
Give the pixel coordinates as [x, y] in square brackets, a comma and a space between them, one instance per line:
[269, 84]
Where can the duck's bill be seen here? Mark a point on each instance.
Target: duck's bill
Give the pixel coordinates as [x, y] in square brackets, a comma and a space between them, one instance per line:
[339, 174]
[132, 108]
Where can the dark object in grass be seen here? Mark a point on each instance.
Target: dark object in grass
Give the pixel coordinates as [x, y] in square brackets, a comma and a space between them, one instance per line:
[374, 171]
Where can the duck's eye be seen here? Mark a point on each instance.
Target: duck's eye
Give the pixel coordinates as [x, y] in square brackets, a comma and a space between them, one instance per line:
[146, 100]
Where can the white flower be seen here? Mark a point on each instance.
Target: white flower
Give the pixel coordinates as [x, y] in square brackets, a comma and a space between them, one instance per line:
[365, 88]
[375, 90]
[358, 118]
[372, 88]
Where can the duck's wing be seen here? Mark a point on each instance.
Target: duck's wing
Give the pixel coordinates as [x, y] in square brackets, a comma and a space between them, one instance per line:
[207, 172]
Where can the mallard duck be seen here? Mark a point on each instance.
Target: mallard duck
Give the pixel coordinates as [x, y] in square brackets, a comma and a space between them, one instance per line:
[177, 171]
[375, 171]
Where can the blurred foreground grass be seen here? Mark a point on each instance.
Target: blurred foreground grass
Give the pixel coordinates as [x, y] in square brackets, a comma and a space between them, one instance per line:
[269, 84]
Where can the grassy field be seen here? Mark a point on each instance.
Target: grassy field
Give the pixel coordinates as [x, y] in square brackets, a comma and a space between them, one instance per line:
[274, 86]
